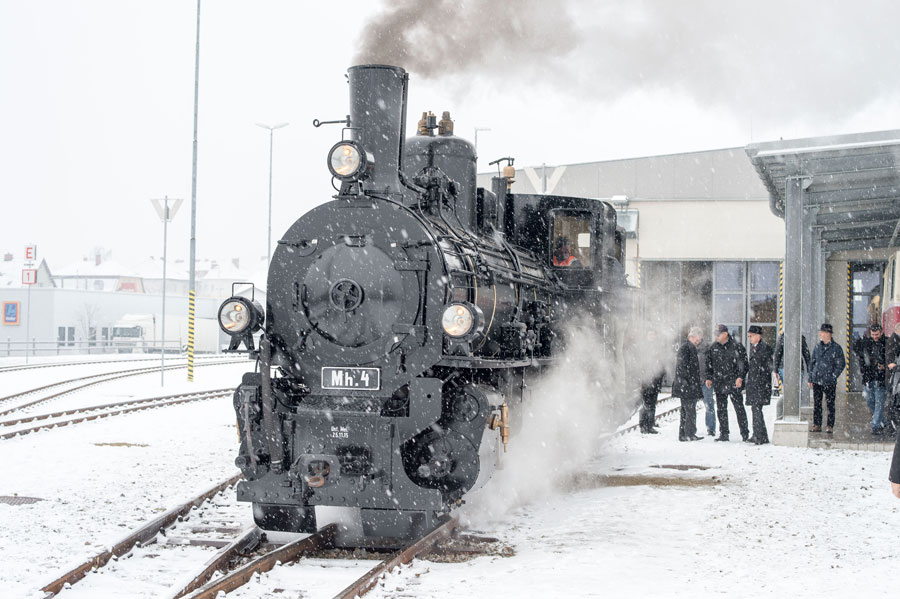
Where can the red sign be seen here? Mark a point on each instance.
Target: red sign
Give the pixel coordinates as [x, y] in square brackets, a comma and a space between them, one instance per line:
[29, 276]
[30, 253]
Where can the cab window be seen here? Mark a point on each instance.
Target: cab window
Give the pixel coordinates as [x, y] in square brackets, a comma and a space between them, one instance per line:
[570, 243]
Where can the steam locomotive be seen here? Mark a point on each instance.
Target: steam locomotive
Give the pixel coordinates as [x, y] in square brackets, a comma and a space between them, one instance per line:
[405, 321]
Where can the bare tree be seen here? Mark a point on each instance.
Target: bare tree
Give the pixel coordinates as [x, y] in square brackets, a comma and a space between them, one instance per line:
[87, 318]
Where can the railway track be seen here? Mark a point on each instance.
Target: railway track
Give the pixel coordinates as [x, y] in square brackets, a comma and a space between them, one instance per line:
[17, 367]
[14, 426]
[61, 388]
[204, 535]
[211, 529]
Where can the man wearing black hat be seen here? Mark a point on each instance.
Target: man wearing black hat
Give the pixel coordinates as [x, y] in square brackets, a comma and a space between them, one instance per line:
[825, 366]
[726, 368]
[871, 353]
[759, 382]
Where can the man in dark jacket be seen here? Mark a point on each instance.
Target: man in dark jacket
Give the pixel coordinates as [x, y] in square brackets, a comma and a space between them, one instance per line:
[651, 374]
[686, 385]
[870, 351]
[759, 382]
[726, 368]
[825, 366]
[892, 400]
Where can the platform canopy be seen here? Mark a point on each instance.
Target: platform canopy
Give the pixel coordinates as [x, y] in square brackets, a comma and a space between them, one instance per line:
[834, 193]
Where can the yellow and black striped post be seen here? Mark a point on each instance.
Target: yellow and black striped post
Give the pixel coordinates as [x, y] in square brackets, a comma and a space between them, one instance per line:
[849, 324]
[190, 377]
[781, 316]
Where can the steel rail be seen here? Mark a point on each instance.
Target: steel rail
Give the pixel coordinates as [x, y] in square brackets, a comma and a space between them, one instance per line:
[367, 581]
[285, 554]
[142, 535]
[14, 368]
[246, 542]
[25, 419]
[111, 376]
[191, 397]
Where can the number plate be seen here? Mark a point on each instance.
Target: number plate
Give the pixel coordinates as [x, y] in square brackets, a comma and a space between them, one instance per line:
[368, 379]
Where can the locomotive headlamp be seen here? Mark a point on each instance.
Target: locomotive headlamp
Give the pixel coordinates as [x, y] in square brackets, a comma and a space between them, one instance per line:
[240, 317]
[459, 320]
[347, 160]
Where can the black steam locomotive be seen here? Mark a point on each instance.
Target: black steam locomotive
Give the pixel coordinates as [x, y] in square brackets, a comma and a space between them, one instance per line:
[404, 320]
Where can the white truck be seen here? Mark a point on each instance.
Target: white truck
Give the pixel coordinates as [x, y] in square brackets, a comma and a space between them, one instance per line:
[143, 333]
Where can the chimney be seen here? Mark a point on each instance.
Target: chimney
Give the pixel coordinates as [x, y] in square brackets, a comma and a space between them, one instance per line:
[7, 257]
[378, 118]
[236, 262]
[97, 259]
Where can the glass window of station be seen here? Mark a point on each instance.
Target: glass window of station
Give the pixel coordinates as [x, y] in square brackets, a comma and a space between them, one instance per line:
[678, 295]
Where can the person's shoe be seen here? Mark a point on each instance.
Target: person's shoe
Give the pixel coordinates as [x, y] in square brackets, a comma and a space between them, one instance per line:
[816, 429]
[762, 442]
[745, 438]
[710, 433]
[751, 440]
[653, 431]
[683, 439]
[721, 438]
[877, 432]
[696, 438]
[829, 429]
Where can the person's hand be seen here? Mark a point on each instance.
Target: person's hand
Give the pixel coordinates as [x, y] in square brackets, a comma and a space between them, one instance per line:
[708, 383]
[895, 489]
[892, 365]
[810, 385]
[881, 367]
[738, 383]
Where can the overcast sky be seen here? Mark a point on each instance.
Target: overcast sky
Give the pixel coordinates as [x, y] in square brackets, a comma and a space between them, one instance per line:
[96, 97]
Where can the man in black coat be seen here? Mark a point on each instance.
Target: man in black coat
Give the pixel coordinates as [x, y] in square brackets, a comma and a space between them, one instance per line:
[870, 351]
[686, 385]
[892, 401]
[726, 368]
[652, 372]
[825, 366]
[759, 382]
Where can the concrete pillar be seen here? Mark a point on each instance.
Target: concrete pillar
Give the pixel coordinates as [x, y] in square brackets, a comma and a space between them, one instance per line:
[790, 430]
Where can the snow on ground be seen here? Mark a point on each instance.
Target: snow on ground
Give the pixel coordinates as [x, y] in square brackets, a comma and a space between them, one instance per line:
[758, 521]
[97, 489]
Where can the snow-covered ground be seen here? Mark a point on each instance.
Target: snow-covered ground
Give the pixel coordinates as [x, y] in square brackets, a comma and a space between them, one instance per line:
[769, 521]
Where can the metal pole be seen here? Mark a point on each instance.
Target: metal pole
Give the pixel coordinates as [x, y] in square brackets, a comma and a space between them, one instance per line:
[27, 321]
[477, 129]
[193, 258]
[271, 143]
[162, 353]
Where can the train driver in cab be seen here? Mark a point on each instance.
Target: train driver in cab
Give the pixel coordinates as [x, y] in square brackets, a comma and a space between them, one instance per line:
[562, 254]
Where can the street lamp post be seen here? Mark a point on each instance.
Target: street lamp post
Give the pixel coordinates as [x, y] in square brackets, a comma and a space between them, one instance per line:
[193, 259]
[166, 214]
[271, 129]
[477, 129]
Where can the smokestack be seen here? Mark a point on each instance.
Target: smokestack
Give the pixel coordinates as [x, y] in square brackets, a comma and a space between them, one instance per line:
[378, 118]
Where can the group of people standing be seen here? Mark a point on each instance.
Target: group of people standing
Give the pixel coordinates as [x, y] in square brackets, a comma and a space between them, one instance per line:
[723, 370]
